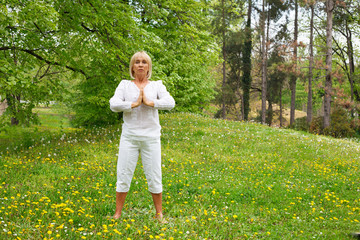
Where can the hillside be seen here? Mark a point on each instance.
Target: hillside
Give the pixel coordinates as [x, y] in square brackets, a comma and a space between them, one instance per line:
[222, 180]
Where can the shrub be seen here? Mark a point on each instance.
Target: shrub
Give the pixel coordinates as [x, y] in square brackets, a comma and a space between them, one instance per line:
[340, 124]
[317, 125]
[355, 124]
[301, 124]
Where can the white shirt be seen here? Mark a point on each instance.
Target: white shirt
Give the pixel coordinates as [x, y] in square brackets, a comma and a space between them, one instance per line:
[141, 121]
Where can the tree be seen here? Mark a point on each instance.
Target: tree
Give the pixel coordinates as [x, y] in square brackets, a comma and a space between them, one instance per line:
[294, 77]
[311, 63]
[276, 81]
[271, 11]
[28, 73]
[263, 64]
[183, 49]
[328, 81]
[234, 53]
[90, 42]
[246, 60]
[345, 22]
[224, 14]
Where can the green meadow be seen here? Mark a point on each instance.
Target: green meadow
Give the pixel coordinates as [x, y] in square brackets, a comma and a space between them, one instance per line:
[222, 180]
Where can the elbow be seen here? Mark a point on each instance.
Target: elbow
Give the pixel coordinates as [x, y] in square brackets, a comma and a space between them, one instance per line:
[113, 109]
[172, 105]
[112, 106]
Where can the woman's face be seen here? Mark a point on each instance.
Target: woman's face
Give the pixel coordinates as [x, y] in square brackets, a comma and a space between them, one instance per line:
[140, 67]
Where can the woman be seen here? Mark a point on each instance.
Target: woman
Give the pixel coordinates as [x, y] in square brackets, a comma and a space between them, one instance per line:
[140, 100]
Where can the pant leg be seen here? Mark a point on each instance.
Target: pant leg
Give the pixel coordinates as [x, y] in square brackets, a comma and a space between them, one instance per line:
[151, 159]
[127, 159]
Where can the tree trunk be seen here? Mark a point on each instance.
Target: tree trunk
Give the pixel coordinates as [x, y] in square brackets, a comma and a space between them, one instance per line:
[224, 64]
[246, 79]
[242, 107]
[328, 80]
[14, 100]
[350, 52]
[311, 63]
[294, 77]
[281, 108]
[263, 64]
[270, 113]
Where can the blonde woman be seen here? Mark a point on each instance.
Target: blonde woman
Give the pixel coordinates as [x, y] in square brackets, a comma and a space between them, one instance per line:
[140, 99]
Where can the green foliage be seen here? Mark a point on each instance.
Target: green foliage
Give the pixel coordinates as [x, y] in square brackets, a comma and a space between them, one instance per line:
[234, 51]
[301, 124]
[317, 125]
[17, 82]
[301, 97]
[355, 124]
[341, 124]
[94, 40]
[246, 59]
[276, 78]
[182, 50]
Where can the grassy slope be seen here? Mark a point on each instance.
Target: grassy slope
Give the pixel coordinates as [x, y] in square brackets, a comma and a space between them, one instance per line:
[222, 180]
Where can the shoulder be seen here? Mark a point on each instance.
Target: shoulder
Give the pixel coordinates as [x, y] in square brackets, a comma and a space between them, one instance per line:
[124, 83]
[158, 83]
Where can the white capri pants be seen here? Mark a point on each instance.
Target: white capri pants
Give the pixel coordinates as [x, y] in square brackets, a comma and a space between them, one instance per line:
[150, 150]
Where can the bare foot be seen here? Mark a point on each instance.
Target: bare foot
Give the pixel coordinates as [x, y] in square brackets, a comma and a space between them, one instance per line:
[160, 218]
[117, 216]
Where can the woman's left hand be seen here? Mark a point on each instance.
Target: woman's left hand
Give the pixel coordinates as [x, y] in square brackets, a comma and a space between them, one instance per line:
[146, 101]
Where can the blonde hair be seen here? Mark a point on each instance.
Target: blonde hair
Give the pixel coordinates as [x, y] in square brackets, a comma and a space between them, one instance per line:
[148, 60]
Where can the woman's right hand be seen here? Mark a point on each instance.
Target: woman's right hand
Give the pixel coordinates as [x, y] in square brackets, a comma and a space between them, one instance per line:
[139, 100]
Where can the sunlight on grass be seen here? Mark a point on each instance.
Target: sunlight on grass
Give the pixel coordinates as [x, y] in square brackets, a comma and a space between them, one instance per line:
[222, 180]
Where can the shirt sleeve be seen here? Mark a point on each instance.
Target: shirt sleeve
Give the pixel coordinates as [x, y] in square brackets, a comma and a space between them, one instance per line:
[117, 102]
[165, 101]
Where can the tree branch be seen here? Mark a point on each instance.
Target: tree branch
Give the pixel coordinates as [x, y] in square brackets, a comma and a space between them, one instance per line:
[32, 52]
[88, 29]
[47, 69]
[5, 48]
[341, 54]
[39, 29]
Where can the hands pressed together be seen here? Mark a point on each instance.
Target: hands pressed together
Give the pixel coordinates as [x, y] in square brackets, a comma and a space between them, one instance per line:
[142, 99]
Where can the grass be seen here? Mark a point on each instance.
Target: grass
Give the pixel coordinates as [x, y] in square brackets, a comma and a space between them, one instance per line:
[53, 118]
[222, 180]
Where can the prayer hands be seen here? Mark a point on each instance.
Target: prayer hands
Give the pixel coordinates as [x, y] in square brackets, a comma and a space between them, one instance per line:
[142, 99]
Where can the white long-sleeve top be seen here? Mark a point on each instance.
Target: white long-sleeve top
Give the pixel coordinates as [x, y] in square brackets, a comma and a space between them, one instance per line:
[141, 121]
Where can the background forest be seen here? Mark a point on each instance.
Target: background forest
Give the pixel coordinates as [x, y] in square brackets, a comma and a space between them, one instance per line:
[286, 63]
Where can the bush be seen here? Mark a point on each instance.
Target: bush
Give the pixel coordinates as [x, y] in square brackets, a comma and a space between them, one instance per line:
[317, 125]
[340, 124]
[301, 124]
[355, 124]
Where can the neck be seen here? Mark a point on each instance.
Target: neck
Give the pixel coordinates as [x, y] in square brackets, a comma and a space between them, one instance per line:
[140, 79]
